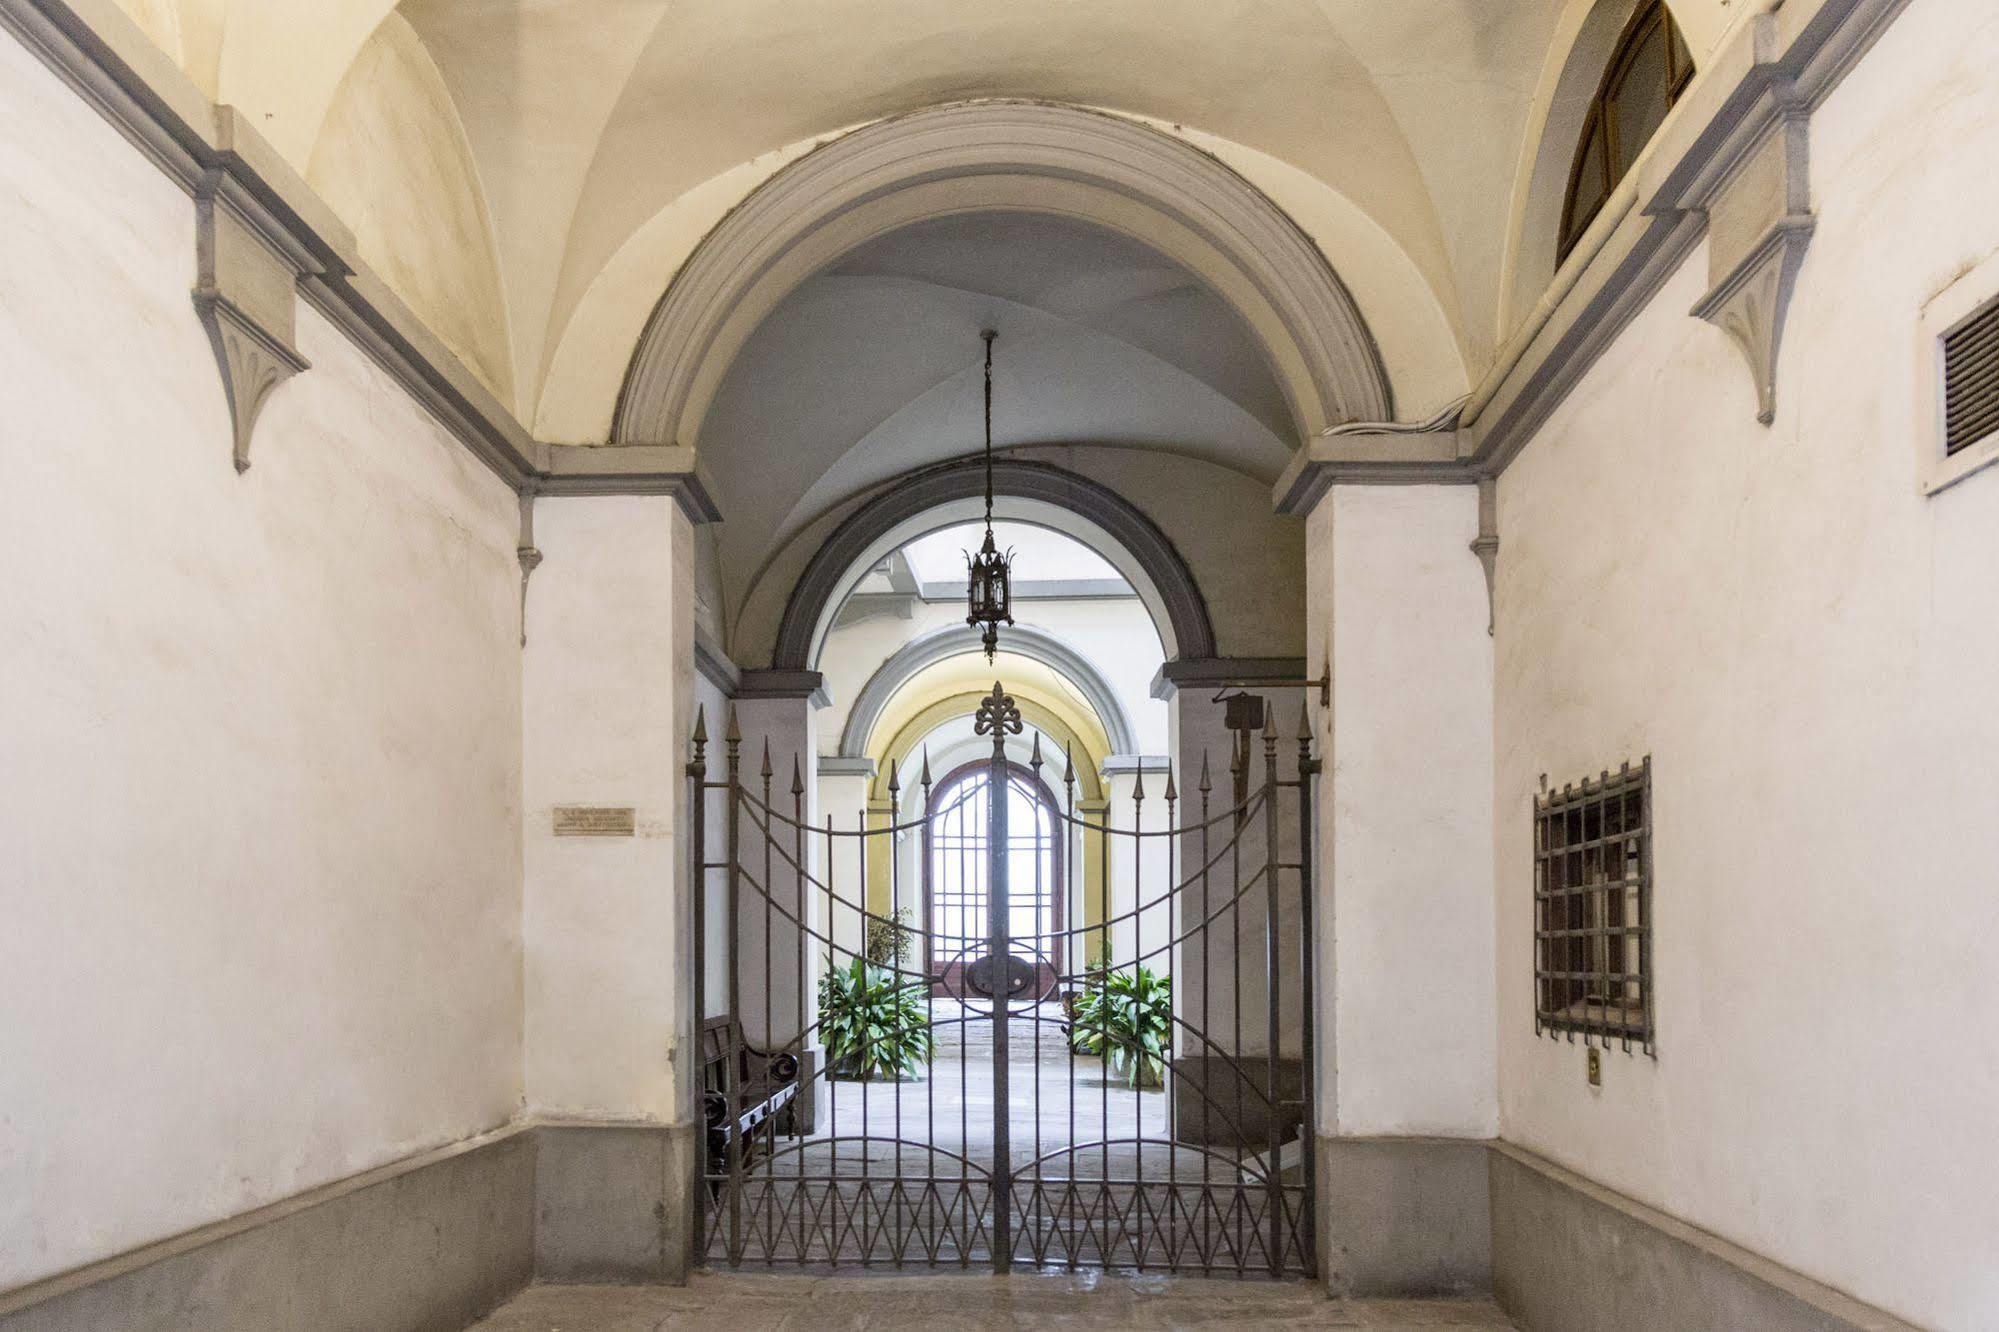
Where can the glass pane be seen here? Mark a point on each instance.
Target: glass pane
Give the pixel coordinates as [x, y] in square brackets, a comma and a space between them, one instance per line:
[1642, 96]
[1590, 188]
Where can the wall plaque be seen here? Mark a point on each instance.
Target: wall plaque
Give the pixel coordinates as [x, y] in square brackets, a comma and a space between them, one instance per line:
[594, 821]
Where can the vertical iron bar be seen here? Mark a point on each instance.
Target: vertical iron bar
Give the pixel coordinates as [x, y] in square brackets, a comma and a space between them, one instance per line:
[1272, 955]
[731, 1069]
[999, 949]
[1138, 1056]
[895, 975]
[768, 1042]
[1308, 1129]
[697, 779]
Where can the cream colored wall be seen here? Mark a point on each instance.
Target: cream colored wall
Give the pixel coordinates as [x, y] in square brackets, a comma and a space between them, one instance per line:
[262, 743]
[609, 696]
[1804, 645]
[1398, 614]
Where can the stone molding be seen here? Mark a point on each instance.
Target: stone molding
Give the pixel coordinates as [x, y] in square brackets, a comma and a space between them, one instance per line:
[1729, 165]
[1200, 673]
[775, 683]
[953, 640]
[825, 573]
[715, 665]
[1015, 155]
[255, 216]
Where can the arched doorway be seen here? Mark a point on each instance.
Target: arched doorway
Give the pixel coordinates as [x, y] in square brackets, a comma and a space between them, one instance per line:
[956, 898]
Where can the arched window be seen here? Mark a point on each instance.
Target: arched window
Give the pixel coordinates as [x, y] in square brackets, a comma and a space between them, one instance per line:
[955, 900]
[1649, 70]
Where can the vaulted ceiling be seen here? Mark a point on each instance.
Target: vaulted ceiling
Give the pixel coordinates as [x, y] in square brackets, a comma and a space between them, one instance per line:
[529, 174]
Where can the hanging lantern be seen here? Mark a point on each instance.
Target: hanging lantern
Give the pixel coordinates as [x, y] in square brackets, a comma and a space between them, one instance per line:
[989, 574]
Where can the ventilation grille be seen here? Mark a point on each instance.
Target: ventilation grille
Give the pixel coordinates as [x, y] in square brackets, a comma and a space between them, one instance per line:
[1971, 380]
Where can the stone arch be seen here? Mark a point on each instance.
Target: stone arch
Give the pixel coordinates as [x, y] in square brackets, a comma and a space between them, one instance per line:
[927, 650]
[1141, 551]
[1004, 156]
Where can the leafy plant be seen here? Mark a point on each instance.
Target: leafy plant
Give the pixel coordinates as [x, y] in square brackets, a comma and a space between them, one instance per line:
[888, 940]
[873, 1022]
[1127, 1018]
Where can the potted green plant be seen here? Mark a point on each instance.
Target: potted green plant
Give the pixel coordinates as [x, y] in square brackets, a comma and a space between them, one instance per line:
[1126, 1017]
[888, 940]
[873, 1023]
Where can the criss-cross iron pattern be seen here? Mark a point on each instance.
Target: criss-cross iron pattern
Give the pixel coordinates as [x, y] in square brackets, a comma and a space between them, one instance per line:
[1006, 1141]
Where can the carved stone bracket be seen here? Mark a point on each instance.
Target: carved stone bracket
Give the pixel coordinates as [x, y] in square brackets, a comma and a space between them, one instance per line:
[529, 557]
[1486, 544]
[247, 267]
[1751, 300]
[1757, 198]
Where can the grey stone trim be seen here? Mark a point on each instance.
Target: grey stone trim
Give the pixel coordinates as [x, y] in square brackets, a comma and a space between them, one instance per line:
[843, 765]
[434, 1241]
[248, 198]
[1118, 765]
[1403, 1217]
[715, 664]
[1728, 165]
[528, 555]
[1198, 673]
[1486, 544]
[785, 684]
[1015, 478]
[843, 191]
[615, 1202]
[953, 640]
[1568, 1253]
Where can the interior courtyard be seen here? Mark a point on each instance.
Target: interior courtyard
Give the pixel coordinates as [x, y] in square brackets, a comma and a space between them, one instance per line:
[882, 663]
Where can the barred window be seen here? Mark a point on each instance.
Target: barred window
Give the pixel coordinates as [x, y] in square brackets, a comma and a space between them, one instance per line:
[1593, 909]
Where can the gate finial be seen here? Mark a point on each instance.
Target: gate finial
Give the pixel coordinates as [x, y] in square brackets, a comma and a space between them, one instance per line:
[1034, 759]
[797, 779]
[894, 781]
[925, 778]
[1206, 785]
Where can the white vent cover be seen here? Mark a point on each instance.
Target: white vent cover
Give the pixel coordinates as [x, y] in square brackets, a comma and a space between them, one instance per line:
[1957, 379]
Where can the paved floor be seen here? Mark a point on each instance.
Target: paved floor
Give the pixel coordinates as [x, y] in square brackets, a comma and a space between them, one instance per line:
[944, 1303]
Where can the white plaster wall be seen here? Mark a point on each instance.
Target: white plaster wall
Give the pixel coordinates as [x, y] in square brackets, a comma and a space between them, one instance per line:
[1805, 645]
[609, 695]
[261, 745]
[1405, 814]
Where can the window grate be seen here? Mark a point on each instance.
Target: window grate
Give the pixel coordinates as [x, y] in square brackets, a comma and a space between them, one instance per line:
[1971, 380]
[1593, 909]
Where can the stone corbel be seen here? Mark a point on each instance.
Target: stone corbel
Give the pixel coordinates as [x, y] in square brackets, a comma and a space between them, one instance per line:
[1759, 223]
[528, 555]
[247, 267]
[1486, 544]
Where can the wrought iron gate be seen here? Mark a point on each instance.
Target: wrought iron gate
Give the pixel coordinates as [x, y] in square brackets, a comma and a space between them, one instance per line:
[1050, 1149]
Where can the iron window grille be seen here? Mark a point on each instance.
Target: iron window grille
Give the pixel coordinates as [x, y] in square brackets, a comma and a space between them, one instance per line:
[1593, 910]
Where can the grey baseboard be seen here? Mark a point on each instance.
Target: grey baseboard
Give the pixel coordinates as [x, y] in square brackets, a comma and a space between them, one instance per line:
[1403, 1217]
[614, 1202]
[1569, 1255]
[432, 1242]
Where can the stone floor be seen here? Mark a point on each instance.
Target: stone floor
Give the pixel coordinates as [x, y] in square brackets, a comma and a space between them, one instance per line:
[742, 1302]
